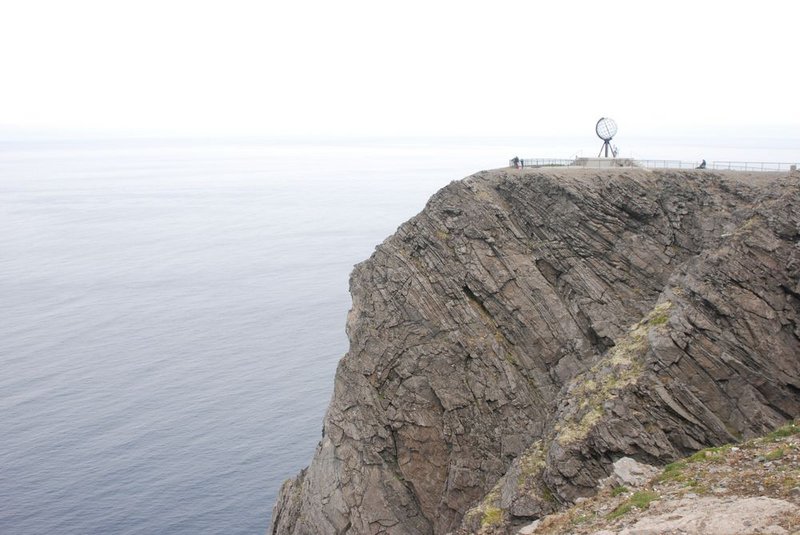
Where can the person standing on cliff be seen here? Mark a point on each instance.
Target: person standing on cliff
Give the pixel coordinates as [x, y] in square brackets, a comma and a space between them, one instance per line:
[515, 161]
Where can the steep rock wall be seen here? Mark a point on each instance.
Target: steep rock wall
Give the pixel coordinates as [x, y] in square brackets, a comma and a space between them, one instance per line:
[539, 324]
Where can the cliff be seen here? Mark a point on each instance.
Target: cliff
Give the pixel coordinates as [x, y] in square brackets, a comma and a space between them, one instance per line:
[531, 327]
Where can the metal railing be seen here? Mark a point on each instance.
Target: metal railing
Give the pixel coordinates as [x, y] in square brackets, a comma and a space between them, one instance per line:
[667, 164]
[543, 162]
[754, 166]
[653, 164]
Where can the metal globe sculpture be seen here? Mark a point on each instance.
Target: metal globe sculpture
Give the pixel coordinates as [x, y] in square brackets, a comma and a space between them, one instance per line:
[606, 129]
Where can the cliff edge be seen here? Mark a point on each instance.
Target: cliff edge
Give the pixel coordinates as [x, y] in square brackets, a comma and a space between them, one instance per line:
[531, 327]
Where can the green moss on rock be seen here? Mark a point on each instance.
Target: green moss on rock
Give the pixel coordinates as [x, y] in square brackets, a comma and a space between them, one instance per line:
[622, 366]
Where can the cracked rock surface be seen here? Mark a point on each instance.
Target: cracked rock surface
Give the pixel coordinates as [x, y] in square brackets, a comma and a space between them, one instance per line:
[531, 327]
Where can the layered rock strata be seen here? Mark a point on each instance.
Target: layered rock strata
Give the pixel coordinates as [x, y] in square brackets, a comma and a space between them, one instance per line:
[529, 328]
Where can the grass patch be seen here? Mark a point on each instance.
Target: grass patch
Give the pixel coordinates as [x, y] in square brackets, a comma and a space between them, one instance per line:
[697, 457]
[616, 491]
[488, 510]
[492, 516]
[640, 499]
[582, 518]
[659, 319]
[774, 455]
[787, 430]
[710, 454]
[673, 472]
[619, 511]
[531, 462]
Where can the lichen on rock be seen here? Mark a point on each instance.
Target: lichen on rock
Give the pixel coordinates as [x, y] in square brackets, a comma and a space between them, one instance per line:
[619, 368]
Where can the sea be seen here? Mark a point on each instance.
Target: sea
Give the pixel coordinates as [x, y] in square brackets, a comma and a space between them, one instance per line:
[172, 312]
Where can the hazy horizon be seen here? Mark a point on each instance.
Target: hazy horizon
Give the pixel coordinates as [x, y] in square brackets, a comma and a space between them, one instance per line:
[770, 146]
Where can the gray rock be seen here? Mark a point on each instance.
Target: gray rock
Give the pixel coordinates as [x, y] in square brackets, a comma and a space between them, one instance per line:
[528, 328]
[529, 529]
[629, 472]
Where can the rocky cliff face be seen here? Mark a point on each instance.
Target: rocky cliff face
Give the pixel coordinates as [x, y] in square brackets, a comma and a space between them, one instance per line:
[529, 328]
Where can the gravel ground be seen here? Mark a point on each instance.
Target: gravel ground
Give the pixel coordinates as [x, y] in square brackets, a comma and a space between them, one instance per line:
[752, 487]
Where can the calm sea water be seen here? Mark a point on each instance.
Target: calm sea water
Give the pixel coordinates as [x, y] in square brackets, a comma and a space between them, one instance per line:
[173, 312]
[172, 315]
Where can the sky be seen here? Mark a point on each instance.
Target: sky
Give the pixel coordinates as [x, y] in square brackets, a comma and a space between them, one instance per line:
[433, 67]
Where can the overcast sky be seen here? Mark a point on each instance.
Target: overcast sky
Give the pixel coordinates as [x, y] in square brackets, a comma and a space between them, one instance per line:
[428, 67]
